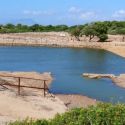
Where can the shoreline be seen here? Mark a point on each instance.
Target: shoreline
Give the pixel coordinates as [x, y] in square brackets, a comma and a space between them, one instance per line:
[120, 51]
[53, 39]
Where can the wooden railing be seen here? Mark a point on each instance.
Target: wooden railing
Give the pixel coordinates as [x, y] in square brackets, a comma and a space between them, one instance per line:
[19, 86]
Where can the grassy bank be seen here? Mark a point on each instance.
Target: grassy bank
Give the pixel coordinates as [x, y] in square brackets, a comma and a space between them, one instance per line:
[102, 114]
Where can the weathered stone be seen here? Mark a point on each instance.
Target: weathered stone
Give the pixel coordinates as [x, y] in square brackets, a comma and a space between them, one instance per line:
[97, 76]
[118, 80]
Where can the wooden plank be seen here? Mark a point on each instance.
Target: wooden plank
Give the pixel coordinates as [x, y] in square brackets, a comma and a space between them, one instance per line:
[21, 86]
[23, 77]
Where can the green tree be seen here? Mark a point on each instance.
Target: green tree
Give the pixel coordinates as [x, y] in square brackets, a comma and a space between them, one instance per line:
[89, 31]
[101, 28]
[9, 26]
[61, 28]
[98, 29]
[35, 28]
[103, 37]
[76, 33]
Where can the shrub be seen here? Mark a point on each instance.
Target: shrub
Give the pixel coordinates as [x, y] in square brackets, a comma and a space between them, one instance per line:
[103, 37]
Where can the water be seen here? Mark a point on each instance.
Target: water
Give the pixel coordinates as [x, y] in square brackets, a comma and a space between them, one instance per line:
[67, 66]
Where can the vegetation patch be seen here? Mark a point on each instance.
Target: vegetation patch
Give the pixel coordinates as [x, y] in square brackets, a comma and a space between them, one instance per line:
[98, 29]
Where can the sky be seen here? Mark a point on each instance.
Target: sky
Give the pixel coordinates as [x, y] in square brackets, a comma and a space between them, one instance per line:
[56, 12]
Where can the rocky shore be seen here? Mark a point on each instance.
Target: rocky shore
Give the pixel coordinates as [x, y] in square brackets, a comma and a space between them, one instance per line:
[97, 76]
[118, 80]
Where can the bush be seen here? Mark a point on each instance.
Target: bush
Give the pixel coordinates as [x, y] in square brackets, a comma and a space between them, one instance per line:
[103, 37]
[102, 114]
[121, 31]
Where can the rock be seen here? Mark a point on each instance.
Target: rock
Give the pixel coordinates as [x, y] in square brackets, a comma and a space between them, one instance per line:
[117, 80]
[97, 76]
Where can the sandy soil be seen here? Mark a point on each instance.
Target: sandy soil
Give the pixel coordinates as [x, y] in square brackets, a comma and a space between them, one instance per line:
[15, 107]
[73, 101]
[117, 50]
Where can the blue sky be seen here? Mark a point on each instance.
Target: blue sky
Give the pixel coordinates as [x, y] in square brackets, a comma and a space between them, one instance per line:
[56, 12]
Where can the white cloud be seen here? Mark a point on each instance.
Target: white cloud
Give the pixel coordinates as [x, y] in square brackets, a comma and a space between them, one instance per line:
[38, 13]
[119, 14]
[80, 14]
[88, 15]
[74, 10]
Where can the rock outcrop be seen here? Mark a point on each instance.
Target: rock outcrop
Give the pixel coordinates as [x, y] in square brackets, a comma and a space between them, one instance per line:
[97, 76]
[118, 80]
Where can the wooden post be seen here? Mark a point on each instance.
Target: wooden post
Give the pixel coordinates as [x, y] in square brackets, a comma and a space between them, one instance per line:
[19, 86]
[44, 88]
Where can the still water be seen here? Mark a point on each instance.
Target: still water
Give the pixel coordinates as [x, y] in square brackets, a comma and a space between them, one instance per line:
[67, 66]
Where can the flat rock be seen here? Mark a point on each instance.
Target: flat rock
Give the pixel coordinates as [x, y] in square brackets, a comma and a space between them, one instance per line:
[117, 80]
[96, 76]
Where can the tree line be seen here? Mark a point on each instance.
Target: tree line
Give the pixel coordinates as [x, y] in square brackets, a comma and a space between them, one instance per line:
[98, 29]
